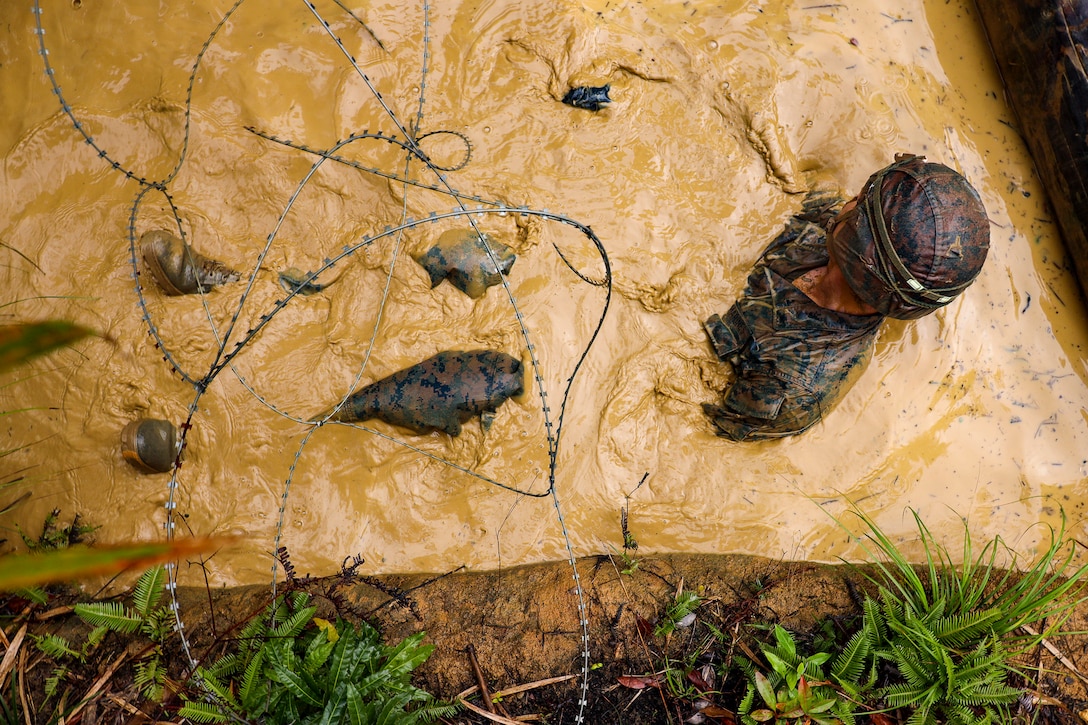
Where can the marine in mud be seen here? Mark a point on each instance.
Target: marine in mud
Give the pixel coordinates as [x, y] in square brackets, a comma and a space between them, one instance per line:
[913, 239]
[440, 393]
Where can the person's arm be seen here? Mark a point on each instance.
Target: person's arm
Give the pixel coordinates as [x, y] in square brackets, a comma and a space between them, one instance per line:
[760, 406]
[819, 206]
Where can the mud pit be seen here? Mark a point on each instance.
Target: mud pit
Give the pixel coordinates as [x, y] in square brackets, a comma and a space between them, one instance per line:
[721, 116]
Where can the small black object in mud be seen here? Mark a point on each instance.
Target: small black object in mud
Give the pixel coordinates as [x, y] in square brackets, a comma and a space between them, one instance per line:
[439, 393]
[587, 97]
[149, 444]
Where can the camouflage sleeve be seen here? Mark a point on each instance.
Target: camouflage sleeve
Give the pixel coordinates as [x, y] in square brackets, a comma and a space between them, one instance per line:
[819, 206]
[727, 336]
[759, 406]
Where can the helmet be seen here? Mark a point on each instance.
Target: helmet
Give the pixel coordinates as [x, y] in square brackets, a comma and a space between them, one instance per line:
[917, 237]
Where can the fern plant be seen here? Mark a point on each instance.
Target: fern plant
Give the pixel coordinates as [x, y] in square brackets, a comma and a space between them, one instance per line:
[683, 606]
[146, 616]
[953, 631]
[953, 668]
[56, 536]
[796, 689]
[287, 671]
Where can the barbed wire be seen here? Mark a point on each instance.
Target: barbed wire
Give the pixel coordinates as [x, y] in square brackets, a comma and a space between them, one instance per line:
[408, 139]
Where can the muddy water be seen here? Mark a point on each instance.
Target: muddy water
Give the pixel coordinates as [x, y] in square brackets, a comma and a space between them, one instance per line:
[722, 114]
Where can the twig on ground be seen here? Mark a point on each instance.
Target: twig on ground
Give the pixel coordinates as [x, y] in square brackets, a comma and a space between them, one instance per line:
[125, 705]
[98, 685]
[22, 687]
[489, 715]
[1057, 653]
[55, 612]
[518, 689]
[484, 692]
[9, 656]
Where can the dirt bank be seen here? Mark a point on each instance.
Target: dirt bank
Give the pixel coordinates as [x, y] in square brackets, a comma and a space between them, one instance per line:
[523, 627]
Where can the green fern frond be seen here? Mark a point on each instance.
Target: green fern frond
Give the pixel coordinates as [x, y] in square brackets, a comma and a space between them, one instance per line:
[36, 595]
[148, 591]
[112, 615]
[317, 652]
[217, 687]
[963, 629]
[959, 715]
[438, 710]
[928, 616]
[253, 682]
[203, 712]
[356, 709]
[293, 625]
[56, 647]
[407, 655]
[850, 664]
[745, 705]
[873, 620]
[986, 695]
[149, 677]
[905, 694]
[299, 599]
[286, 673]
[53, 681]
[228, 664]
[255, 629]
[986, 660]
[891, 609]
[303, 687]
[359, 649]
[95, 637]
[922, 716]
[913, 670]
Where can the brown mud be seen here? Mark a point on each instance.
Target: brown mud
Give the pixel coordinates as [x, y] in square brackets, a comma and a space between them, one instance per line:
[521, 626]
[723, 114]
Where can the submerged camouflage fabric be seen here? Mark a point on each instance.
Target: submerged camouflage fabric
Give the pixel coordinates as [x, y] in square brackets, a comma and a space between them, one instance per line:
[793, 358]
[440, 393]
[460, 256]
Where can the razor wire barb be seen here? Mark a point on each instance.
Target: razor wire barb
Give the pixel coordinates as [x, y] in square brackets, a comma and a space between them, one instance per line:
[409, 141]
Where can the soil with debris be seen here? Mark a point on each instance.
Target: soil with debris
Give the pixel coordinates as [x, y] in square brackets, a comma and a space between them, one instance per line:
[517, 632]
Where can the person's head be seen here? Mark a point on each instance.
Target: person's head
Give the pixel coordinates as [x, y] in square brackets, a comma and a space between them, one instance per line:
[914, 238]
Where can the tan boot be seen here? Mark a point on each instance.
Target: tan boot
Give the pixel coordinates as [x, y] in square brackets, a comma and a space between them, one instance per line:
[177, 268]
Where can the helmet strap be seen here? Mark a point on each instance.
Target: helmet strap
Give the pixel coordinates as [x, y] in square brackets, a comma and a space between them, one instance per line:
[888, 258]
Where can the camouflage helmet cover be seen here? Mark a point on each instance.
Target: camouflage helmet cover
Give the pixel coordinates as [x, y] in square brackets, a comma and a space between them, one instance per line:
[917, 238]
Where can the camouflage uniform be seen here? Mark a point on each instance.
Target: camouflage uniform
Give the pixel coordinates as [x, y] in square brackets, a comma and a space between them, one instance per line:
[793, 358]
